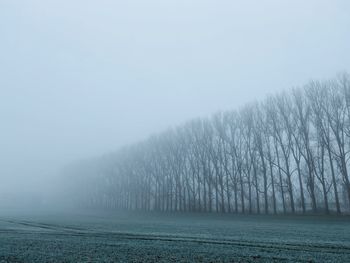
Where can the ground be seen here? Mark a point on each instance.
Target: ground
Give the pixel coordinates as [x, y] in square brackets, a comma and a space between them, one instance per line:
[151, 237]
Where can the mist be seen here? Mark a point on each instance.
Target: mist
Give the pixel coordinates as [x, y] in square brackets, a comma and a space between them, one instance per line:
[174, 130]
[84, 78]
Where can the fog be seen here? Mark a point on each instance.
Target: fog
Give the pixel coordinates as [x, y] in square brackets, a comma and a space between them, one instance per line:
[79, 79]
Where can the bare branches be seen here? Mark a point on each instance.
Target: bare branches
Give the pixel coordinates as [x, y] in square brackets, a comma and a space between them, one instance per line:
[294, 145]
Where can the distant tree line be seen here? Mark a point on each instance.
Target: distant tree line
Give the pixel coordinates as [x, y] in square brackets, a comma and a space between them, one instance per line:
[287, 154]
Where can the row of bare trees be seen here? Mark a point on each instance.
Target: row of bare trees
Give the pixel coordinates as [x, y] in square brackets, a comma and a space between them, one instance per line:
[287, 154]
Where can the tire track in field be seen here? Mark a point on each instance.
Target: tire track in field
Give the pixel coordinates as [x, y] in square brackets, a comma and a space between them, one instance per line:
[43, 225]
[236, 243]
[273, 246]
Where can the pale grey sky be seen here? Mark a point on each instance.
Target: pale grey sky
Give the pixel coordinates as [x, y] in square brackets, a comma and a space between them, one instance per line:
[79, 78]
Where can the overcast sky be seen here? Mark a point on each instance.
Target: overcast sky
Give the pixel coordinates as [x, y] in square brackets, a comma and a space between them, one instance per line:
[80, 78]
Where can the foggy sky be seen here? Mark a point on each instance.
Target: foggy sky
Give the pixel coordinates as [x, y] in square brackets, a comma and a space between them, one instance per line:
[81, 78]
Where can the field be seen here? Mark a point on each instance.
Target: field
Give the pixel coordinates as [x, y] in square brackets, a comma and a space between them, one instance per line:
[135, 237]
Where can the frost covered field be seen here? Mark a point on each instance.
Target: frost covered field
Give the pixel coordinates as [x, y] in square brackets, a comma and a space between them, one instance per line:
[132, 237]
